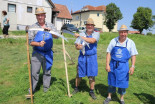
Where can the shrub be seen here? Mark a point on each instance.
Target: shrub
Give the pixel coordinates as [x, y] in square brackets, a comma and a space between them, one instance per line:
[149, 34]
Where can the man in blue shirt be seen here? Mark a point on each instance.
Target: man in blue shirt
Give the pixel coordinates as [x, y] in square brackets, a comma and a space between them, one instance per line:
[87, 61]
[119, 51]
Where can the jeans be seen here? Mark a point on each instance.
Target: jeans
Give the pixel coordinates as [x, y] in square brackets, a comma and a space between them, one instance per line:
[112, 89]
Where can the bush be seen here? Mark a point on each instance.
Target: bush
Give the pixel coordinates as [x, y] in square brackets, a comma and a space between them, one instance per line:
[149, 34]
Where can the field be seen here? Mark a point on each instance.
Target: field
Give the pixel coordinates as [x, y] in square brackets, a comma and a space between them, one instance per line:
[14, 82]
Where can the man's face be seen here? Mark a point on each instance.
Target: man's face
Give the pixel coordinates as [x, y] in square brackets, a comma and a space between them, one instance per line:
[123, 34]
[89, 27]
[41, 18]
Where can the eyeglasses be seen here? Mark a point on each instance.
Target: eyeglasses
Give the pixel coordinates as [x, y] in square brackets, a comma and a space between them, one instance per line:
[89, 25]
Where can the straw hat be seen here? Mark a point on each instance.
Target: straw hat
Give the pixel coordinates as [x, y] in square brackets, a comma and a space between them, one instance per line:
[123, 27]
[39, 10]
[90, 21]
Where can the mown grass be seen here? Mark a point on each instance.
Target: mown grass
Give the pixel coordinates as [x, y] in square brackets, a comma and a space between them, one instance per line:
[14, 82]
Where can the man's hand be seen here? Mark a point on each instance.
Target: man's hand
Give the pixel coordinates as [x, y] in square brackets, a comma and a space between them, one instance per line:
[79, 46]
[131, 71]
[47, 29]
[77, 35]
[107, 68]
[42, 43]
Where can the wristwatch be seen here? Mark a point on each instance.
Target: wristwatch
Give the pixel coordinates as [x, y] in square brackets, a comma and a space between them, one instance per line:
[133, 66]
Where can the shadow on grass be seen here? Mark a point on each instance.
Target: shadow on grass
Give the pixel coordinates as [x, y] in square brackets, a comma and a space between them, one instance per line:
[83, 87]
[40, 82]
[103, 91]
[145, 98]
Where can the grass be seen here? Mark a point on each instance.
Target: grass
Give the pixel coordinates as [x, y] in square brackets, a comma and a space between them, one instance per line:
[14, 82]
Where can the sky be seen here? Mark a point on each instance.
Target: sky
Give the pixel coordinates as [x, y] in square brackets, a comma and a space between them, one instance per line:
[127, 7]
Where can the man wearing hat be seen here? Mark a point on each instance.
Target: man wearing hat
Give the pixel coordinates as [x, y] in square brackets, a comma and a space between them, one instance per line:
[42, 55]
[119, 51]
[87, 61]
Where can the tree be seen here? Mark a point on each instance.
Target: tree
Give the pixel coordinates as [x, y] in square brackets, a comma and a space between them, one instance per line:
[142, 19]
[153, 18]
[113, 14]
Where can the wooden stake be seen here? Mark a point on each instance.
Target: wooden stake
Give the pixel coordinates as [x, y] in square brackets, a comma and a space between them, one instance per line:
[64, 52]
[28, 61]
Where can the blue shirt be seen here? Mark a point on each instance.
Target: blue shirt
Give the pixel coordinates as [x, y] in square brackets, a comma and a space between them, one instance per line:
[5, 20]
[130, 45]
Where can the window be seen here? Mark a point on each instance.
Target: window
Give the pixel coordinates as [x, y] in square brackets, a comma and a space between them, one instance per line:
[85, 22]
[98, 14]
[77, 17]
[12, 8]
[29, 9]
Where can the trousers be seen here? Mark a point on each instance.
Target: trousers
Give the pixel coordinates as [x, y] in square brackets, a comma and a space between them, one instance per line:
[37, 61]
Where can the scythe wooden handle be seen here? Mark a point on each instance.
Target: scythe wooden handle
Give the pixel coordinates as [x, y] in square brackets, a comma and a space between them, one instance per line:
[28, 60]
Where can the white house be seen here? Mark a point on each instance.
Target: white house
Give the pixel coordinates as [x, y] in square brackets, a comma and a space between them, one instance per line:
[63, 17]
[22, 12]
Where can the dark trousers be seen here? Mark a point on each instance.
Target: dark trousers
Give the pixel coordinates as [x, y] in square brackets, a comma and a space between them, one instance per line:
[5, 30]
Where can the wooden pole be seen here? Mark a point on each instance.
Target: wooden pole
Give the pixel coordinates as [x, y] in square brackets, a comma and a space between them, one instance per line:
[69, 57]
[64, 52]
[28, 60]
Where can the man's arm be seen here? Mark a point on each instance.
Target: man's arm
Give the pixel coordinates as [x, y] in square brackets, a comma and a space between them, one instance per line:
[89, 40]
[133, 60]
[108, 57]
[40, 44]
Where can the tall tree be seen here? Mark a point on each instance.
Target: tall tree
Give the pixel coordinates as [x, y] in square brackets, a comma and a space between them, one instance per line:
[142, 19]
[113, 14]
[153, 18]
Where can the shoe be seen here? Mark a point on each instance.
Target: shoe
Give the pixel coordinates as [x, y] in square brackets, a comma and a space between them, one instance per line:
[92, 95]
[76, 90]
[122, 102]
[45, 90]
[107, 100]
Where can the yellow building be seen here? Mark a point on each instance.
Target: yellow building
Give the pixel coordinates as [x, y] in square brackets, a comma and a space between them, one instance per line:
[96, 13]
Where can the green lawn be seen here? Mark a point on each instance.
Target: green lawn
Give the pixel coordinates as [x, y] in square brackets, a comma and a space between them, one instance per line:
[14, 82]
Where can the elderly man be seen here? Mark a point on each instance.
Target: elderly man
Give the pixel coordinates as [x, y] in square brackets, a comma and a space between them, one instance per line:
[42, 55]
[120, 50]
[87, 61]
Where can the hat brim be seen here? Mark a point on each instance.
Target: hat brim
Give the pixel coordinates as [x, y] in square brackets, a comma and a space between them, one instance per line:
[123, 30]
[90, 24]
[40, 13]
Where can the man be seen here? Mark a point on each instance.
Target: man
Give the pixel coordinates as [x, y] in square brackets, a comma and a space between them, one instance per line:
[42, 55]
[87, 61]
[120, 50]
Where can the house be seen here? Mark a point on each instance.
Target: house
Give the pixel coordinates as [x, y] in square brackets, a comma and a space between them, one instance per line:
[63, 17]
[96, 13]
[22, 12]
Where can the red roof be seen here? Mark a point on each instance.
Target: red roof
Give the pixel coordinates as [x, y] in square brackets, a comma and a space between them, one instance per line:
[91, 8]
[133, 32]
[63, 11]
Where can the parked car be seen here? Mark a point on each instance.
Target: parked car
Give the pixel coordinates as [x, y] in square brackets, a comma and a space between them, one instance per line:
[97, 30]
[70, 27]
[82, 29]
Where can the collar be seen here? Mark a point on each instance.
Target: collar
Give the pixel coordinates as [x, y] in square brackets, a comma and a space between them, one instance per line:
[39, 24]
[87, 34]
[117, 39]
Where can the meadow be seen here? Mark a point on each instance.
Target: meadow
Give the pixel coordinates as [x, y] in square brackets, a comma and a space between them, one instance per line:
[14, 82]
